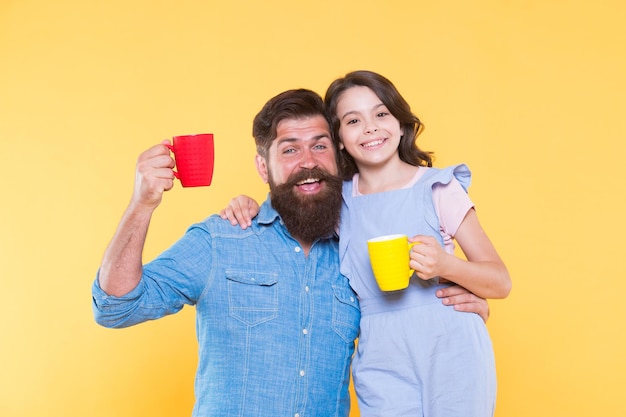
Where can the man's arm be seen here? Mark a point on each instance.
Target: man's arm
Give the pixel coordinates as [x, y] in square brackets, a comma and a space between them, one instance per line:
[121, 267]
[463, 300]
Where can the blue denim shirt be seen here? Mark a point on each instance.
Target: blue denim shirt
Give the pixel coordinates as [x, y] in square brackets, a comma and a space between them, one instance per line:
[276, 328]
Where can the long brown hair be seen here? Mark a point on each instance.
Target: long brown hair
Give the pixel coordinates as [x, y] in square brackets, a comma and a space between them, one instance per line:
[409, 123]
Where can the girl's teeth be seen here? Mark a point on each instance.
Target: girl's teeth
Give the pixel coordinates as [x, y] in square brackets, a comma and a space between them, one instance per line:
[370, 144]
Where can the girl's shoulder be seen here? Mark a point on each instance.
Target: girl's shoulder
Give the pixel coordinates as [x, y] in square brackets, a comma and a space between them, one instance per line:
[460, 172]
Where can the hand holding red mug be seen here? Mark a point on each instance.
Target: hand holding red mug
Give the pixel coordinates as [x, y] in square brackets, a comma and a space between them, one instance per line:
[153, 175]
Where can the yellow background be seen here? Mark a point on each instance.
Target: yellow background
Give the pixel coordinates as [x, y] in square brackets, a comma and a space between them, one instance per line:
[530, 93]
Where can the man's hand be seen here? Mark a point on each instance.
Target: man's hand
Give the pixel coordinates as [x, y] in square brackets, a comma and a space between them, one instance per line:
[463, 300]
[154, 175]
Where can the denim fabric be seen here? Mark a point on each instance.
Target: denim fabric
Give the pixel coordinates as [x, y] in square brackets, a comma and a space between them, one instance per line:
[276, 328]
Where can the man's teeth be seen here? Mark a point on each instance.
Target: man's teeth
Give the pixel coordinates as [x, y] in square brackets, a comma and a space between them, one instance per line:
[374, 143]
[308, 181]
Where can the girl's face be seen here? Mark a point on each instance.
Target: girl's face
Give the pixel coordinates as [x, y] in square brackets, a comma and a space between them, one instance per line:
[368, 131]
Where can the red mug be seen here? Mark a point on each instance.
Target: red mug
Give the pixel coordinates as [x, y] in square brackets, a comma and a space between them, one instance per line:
[194, 155]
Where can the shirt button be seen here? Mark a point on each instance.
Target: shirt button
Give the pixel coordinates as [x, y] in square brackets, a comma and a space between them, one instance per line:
[301, 373]
[296, 415]
[305, 331]
[306, 288]
[298, 249]
[352, 299]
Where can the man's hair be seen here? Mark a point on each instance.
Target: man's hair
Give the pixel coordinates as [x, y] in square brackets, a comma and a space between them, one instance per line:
[291, 104]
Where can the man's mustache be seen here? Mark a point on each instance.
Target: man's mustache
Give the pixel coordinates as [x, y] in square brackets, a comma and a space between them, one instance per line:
[305, 174]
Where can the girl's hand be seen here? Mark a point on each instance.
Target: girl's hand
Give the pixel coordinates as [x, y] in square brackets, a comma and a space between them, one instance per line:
[240, 211]
[428, 258]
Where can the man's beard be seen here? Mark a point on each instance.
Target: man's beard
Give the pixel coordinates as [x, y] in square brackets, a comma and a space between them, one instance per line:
[308, 217]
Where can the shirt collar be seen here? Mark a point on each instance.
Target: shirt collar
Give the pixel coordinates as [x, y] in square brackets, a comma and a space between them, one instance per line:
[267, 214]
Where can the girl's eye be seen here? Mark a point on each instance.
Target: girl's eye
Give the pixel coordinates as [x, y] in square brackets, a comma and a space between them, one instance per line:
[351, 121]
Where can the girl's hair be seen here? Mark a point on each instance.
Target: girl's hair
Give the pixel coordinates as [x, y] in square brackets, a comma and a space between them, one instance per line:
[409, 123]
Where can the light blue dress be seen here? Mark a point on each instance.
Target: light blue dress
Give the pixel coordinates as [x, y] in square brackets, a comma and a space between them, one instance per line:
[415, 356]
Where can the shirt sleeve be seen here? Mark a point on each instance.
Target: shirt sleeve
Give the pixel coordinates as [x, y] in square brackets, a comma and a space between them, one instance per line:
[175, 278]
[116, 312]
[452, 204]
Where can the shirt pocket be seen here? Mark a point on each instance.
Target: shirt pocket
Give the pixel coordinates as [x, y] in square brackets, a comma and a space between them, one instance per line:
[252, 296]
[346, 313]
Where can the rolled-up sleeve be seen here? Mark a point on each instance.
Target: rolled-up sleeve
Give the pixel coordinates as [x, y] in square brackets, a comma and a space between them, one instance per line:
[127, 310]
[174, 279]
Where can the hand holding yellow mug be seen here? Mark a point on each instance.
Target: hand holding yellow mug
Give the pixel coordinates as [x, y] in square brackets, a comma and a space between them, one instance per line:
[389, 256]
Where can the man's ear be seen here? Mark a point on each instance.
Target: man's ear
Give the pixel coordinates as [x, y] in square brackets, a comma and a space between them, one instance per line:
[261, 166]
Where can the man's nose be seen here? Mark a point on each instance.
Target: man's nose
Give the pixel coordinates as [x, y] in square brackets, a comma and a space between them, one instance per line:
[308, 160]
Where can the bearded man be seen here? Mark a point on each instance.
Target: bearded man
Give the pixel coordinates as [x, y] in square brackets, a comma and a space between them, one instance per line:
[276, 321]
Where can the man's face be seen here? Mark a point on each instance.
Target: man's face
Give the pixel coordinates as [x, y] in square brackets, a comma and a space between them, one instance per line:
[302, 172]
[300, 144]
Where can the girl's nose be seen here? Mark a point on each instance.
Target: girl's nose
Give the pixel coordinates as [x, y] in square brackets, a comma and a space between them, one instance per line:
[371, 128]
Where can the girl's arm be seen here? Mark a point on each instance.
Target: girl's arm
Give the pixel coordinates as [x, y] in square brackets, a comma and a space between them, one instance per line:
[483, 273]
[240, 211]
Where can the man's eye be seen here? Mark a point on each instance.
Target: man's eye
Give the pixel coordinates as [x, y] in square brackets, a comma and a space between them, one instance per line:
[383, 114]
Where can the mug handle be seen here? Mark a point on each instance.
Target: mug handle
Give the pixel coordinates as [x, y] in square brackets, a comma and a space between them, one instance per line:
[171, 148]
[410, 245]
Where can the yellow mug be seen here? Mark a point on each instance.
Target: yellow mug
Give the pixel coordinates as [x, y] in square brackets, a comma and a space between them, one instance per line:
[389, 256]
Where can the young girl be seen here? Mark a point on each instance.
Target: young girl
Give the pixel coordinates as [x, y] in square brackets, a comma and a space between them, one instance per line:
[415, 356]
